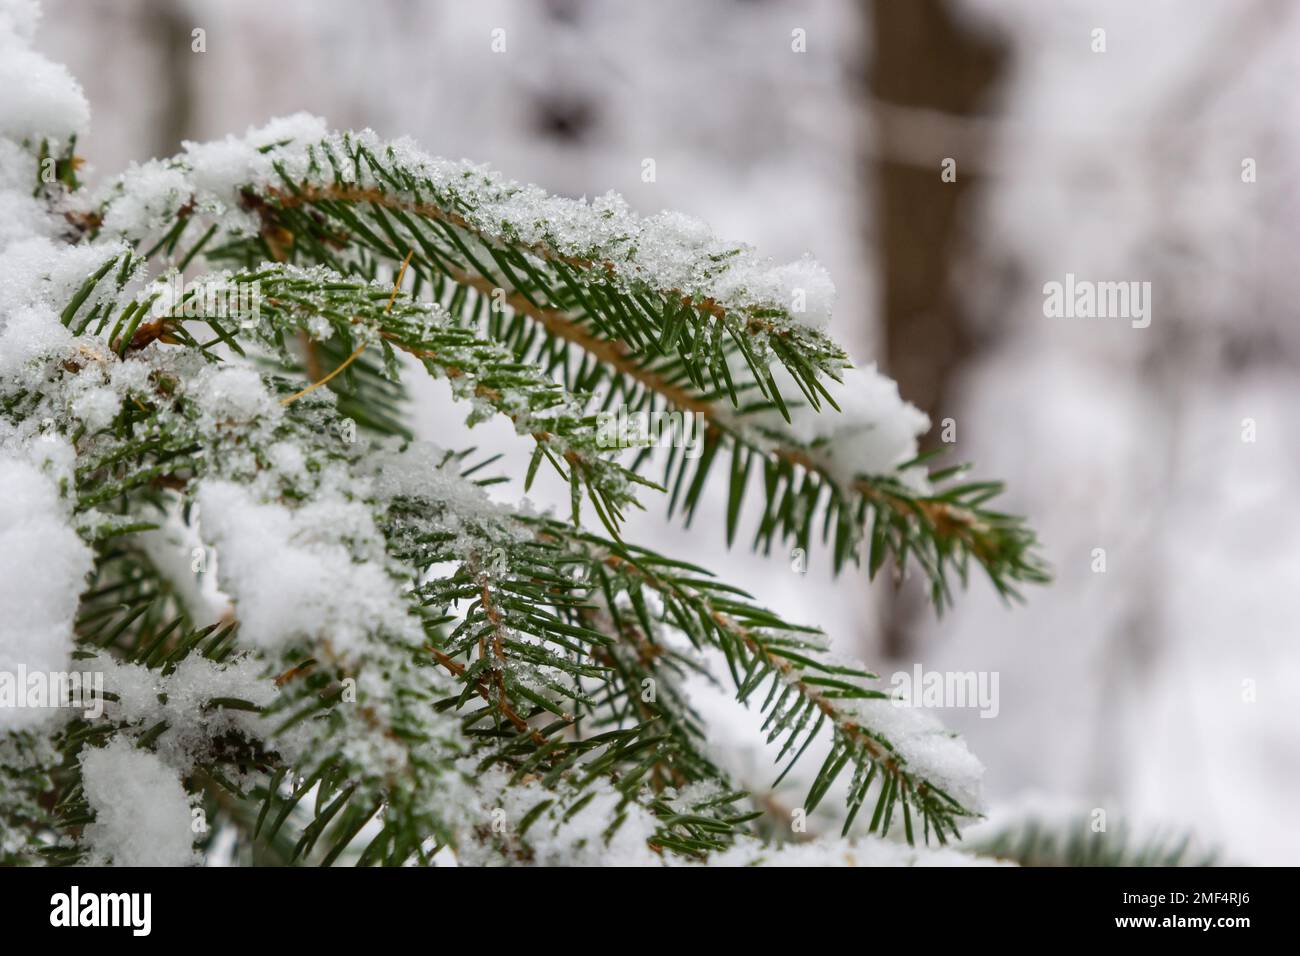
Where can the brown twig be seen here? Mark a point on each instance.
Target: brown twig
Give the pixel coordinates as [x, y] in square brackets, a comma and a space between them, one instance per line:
[458, 670]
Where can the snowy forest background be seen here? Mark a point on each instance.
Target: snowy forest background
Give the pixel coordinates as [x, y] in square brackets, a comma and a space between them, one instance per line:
[1123, 690]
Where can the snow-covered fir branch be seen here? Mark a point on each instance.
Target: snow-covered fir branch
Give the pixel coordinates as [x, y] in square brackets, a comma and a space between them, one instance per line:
[321, 640]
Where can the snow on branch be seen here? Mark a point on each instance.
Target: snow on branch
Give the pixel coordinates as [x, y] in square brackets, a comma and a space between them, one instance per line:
[330, 645]
[657, 310]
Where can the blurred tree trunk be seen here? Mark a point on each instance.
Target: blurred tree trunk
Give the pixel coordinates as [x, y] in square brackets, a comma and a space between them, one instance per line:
[167, 28]
[925, 59]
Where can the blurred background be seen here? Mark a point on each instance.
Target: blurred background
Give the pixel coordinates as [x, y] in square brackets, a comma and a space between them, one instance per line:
[1162, 149]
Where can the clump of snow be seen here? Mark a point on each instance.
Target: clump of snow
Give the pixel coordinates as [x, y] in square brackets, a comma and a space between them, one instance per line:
[221, 167]
[30, 333]
[422, 470]
[288, 459]
[557, 837]
[142, 815]
[173, 549]
[179, 698]
[313, 572]
[18, 20]
[21, 216]
[232, 394]
[875, 430]
[931, 752]
[96, 407]
[35, 271]
[149, 196]
[38, 98]
[43, 569]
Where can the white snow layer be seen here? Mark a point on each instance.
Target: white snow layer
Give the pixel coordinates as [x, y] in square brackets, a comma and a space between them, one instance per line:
[562, 836]
[874, 431]
[292, 574]
[932, 753]
[43, 568]
[38, 98]
[142, 816]
[180, 698]
[668, 250]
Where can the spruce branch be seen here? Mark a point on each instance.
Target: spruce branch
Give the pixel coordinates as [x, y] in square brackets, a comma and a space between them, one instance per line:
[370, 660]
[557, 282]
[525, 630]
